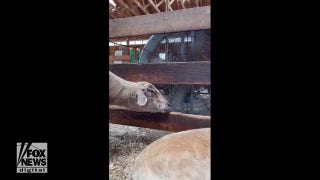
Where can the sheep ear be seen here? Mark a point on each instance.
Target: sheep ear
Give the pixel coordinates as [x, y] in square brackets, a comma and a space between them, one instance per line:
[141, 99]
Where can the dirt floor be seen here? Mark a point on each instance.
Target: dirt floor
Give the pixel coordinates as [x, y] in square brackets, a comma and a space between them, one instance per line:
[125, 143]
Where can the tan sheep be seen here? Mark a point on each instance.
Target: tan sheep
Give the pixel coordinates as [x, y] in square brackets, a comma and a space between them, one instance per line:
[137, 96]
[183, 155]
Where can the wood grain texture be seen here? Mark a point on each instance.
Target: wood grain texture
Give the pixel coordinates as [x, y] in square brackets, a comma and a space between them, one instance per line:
[165, 22]
[173, 122]
[165, 73]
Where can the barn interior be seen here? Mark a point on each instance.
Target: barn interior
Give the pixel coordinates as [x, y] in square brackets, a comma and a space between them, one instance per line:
[167, 43]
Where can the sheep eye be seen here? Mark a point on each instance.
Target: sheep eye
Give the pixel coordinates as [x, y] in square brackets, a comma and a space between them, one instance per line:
[151, 90]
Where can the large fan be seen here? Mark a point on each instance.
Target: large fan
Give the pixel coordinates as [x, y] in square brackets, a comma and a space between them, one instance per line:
[181, 47]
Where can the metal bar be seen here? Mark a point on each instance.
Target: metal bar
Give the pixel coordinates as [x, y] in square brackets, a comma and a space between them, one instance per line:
[191, 101]
[166, 48]
[164, 22]
[182, 46]
[173, 121]
[165, 73]
[182, 107]
[192, 34]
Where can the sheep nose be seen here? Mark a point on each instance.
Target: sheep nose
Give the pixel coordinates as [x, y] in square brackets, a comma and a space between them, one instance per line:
[167, 107]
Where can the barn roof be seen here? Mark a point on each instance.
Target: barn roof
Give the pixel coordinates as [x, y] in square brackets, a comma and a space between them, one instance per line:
[128, 8]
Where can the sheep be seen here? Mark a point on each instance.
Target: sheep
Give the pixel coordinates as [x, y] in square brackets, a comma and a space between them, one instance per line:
[137, 96]
[183, 155]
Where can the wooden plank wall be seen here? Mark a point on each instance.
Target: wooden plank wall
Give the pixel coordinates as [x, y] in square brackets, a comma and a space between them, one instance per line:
[165, 73]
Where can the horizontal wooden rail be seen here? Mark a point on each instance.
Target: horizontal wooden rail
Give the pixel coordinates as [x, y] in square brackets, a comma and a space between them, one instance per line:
[165, 22]
[165, 73]
[173, 122]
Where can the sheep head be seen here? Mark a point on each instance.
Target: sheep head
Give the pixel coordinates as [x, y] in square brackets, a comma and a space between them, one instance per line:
[146, 97]
[137, 96]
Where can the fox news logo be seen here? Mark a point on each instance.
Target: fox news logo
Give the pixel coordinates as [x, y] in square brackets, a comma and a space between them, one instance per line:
[32, 157]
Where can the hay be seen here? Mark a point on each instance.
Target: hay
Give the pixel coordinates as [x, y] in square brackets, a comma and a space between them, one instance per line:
[125, 143]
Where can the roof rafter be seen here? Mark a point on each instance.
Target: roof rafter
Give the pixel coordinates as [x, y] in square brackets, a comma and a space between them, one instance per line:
[154, 6]
[182, 3]
[127, 6]
[112, 15]
[144, 9]
[160, 3]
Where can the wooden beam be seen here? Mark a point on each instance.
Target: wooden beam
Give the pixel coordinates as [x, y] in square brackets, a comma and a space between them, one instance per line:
[170, 3]
[126, 6]
[165, 73]
[182, 4]
[119, 14]
[173, 122]
[143, 37]
[189, 3]
[162, 1]
[111, 11]
[113, 16]
[166, 5]
[154, 6]
[133, 6]
[164, 22]
[141, 7]
[146, 6]
[126, 12]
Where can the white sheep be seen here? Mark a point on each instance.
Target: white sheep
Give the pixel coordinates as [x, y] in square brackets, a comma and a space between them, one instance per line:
[137, 96]
[183, 155]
